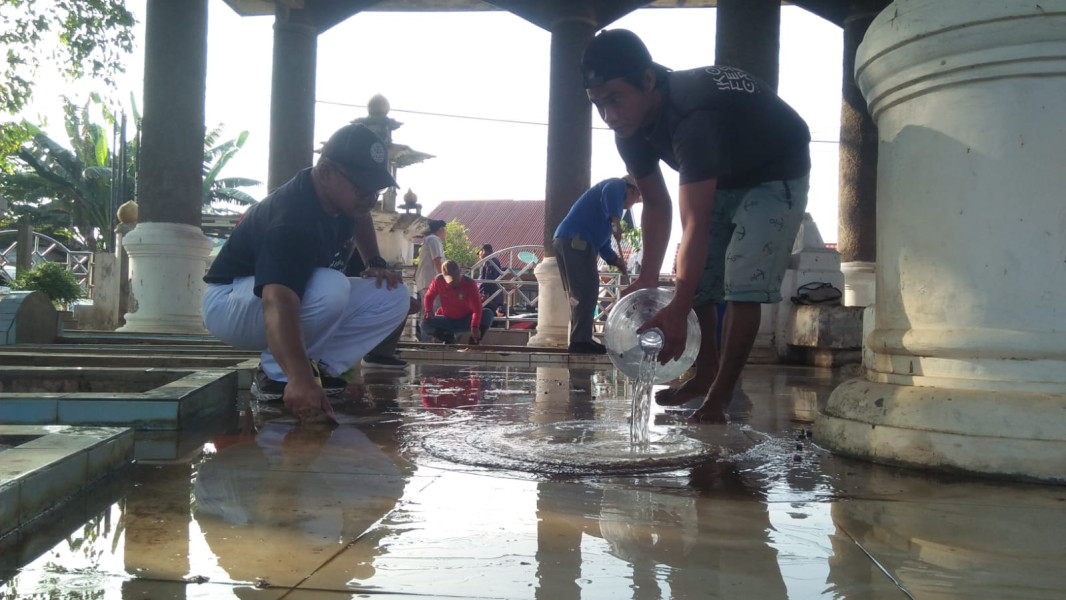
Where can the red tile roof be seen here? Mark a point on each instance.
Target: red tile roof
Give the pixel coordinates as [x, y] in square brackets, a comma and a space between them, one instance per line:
[502, 223]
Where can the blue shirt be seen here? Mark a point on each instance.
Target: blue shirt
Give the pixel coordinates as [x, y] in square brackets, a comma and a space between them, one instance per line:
[590, 216]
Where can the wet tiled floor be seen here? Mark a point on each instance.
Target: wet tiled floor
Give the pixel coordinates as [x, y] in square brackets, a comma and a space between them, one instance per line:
[408, 497]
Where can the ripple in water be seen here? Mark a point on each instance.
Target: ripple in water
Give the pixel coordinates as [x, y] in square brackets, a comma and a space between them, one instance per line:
[564, 448]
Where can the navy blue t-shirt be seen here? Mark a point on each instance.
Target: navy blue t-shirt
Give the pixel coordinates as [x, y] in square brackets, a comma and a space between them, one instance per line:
[284, 238]
[721, 123]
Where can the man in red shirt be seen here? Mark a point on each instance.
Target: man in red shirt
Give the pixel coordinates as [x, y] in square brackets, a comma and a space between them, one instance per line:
[460, 306]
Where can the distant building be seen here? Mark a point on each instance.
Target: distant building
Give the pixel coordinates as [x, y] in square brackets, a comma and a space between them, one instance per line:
[502, 223]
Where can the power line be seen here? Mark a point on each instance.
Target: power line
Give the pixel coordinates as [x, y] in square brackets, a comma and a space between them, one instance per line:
[436, 114]
[488, 119]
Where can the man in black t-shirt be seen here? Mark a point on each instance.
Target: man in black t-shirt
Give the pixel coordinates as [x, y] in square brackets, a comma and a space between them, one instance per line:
[744, 163]
[278, 283]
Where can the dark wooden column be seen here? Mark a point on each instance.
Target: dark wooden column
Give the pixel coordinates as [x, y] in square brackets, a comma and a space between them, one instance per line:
[170, 176]
[569, 121]
[857, 207]
[292, 95]
[749, 37]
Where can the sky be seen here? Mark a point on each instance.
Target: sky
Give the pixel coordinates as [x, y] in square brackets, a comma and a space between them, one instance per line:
[472, 90]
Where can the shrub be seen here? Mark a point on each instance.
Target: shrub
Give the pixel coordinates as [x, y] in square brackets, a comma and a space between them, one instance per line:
[53, 279]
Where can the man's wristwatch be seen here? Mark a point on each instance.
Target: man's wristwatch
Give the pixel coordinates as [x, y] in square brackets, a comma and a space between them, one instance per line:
[377, 263]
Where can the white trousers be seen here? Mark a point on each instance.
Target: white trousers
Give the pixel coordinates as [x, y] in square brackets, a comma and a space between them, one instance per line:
[342, 318]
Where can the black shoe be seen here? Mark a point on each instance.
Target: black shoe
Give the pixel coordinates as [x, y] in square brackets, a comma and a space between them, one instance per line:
[385, 362]
[265, 389]
[445, 336]
[587, 348]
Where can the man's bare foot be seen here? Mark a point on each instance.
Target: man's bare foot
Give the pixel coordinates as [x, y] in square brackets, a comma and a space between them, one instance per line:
[682, 394]
[707, 416]
[710, 411]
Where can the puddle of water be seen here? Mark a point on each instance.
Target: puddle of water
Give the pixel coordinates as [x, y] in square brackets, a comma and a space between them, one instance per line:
[574, 423]
[348, 512]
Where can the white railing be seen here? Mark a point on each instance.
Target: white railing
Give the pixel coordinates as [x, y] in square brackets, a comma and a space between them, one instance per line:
[516, 287]
[46, 249]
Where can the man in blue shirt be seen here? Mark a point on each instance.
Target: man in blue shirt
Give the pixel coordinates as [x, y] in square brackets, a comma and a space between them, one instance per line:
[584, 234]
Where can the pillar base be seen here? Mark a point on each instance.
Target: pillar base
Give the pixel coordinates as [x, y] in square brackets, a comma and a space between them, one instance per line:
[1010, 434]
[860, 282]
[167, 265]
[553, 308]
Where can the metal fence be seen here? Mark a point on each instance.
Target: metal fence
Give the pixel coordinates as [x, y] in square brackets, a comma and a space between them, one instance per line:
[46, 249]
[516, 287]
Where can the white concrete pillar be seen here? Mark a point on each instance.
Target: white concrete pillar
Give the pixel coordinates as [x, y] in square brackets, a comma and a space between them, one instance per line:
[967, 356]
[860, 282]
[393, 247]
[553, 308]
[167, 265]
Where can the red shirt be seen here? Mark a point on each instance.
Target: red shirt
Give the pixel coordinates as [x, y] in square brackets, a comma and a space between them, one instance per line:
[457, 302]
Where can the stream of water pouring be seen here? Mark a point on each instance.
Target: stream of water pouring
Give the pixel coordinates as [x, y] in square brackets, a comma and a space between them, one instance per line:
[651, 341]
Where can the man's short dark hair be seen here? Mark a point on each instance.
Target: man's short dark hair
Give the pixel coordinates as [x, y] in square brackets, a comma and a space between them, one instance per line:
[435, 224]
[487, 248]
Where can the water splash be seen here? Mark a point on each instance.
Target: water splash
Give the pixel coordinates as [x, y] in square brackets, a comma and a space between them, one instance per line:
[651, 342]
[563, 448]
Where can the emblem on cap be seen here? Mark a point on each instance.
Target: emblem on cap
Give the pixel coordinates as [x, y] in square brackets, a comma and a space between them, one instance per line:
[377, 152]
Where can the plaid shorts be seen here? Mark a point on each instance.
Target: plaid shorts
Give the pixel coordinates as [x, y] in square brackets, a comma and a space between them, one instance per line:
[752, 234]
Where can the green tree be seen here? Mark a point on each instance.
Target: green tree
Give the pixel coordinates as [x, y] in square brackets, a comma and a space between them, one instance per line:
[457, 244]
[65, 190]
[221, 195]
[631, 237]
[54, 280]
[66, 193]
[83, 38]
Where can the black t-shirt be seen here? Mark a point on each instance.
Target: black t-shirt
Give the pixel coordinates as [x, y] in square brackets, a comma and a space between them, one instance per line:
[284, 238]
[721, 123]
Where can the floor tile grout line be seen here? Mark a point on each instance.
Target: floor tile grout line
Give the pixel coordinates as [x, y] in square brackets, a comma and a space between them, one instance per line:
[337, 554]
[876, 562]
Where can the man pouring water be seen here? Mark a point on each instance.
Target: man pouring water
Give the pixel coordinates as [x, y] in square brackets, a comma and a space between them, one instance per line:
[744, 163]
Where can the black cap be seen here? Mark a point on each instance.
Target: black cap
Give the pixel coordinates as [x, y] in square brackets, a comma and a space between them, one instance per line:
[361, 156]
[611, 54]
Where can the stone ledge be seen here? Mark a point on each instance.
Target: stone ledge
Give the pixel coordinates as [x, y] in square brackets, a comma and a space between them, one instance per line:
[826, 326]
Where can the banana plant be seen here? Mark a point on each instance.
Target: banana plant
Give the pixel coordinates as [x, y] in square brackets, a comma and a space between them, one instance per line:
[221, 195]
[73, 184]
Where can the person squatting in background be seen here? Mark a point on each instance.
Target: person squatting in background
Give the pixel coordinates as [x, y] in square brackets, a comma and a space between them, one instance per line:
[460, 307]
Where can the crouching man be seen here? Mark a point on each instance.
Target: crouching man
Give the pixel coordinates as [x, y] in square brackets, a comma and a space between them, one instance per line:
[460, 306]
[278, 284]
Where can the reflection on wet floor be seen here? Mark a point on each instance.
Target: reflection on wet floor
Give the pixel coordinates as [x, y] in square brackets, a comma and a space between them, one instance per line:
[410, 494]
